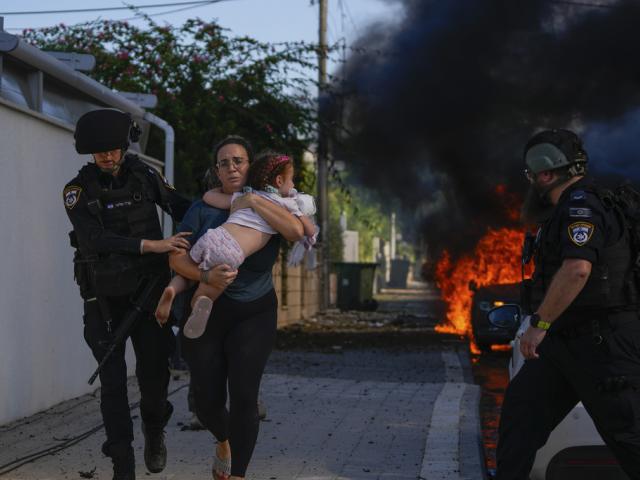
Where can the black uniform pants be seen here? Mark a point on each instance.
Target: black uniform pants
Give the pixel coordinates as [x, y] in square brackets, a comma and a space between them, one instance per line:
[153, 346]
[569, 370]
[234, 348]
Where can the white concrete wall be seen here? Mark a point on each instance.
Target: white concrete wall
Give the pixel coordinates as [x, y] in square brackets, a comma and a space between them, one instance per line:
[43, 357]
[351, 249]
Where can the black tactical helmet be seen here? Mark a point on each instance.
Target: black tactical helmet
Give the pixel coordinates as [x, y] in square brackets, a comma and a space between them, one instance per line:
[105, 130]
[553, 149]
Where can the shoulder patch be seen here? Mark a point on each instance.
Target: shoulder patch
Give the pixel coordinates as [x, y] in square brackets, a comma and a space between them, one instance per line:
[581, 212]
[580, 232]
[167, 184]
[578, 195]
[154, 172]
[71, 195]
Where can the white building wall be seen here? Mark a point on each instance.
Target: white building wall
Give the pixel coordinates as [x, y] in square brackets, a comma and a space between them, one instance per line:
[351, 251]
[43, 357]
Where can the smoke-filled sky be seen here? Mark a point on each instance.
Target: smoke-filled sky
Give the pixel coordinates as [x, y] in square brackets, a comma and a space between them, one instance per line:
[439, 103]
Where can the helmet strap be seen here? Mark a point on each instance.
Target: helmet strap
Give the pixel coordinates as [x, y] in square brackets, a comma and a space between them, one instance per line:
[116, 165]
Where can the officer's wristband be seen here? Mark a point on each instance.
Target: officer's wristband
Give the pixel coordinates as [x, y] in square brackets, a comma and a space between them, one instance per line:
[141, 247]
[536, 322]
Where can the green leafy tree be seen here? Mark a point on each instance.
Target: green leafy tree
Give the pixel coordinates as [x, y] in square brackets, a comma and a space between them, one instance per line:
[365, 214]
[208, 84]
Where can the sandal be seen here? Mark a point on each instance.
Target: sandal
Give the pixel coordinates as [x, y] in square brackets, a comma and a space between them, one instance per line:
[221, 468]
[197, 321]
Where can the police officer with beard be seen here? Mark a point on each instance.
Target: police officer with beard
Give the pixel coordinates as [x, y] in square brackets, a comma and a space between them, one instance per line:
[583, 342]
[119, 250]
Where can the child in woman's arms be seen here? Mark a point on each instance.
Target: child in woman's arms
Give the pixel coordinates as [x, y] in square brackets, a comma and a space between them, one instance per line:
[243, 234]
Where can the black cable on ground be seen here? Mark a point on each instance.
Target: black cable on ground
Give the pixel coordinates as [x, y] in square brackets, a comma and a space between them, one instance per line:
[19, 462]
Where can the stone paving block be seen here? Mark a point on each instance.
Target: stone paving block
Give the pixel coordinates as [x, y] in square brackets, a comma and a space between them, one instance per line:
[349, 426]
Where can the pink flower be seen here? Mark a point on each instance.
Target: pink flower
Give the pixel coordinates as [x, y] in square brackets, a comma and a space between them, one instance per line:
[221, 98]
[122, 55]
[269, 128]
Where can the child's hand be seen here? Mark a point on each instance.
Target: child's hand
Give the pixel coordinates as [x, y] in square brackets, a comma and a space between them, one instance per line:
[245, 201]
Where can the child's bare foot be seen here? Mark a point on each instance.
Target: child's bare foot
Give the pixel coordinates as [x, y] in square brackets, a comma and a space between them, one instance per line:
[197, 321]
[164, 305]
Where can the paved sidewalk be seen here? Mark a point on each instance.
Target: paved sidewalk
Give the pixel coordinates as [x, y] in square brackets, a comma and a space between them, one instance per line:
[330, 416]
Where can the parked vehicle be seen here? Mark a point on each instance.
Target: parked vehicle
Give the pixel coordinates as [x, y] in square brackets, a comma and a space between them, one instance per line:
[575, 450]
[485, 299]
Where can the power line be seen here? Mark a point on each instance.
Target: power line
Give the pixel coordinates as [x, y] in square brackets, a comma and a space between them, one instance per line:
[159, 14]
[167, 12]
[107, 9]
[583, 4]
[348, 9]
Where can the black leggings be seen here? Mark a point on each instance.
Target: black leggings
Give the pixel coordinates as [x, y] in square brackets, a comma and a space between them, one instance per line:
[234, 348]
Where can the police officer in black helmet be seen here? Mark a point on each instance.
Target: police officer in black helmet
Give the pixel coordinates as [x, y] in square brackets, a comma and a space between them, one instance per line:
[119, 248]
[584, 335]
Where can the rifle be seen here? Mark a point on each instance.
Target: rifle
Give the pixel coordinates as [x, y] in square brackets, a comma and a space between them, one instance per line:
[121, 333]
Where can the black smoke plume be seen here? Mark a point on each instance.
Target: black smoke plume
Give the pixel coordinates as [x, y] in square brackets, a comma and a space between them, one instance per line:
[436, 106]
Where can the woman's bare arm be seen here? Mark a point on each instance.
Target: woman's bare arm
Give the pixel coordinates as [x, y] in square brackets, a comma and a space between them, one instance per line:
[280, 219]
[219, 276]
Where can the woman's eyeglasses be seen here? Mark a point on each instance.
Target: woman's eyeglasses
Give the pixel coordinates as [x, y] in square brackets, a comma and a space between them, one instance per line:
[226, 162]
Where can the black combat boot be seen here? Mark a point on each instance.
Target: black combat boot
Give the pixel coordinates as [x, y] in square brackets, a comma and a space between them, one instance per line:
[155, 451]
[124, 463]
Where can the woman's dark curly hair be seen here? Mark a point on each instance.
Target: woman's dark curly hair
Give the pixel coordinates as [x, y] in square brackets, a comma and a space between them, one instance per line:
[266, 167]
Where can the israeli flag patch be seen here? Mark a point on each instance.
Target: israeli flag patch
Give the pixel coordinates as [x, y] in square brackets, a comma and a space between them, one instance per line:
[580, 232]
[578, 195]
[580, 212]
[71, 195]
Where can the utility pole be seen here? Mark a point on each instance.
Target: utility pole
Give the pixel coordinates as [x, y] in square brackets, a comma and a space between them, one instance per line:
[323, 150]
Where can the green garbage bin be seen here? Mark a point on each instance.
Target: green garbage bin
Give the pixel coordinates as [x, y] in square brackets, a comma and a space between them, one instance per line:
[399, 273]
[355, 285]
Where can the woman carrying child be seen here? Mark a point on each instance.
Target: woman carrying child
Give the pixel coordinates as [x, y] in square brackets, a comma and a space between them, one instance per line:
[240, 333]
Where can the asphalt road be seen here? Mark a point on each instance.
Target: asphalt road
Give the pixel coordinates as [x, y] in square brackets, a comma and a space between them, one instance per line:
[349, 395]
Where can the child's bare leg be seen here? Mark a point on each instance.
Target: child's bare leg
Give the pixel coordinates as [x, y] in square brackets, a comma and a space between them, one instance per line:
[205, 290]
[201, 306]
[177, 285]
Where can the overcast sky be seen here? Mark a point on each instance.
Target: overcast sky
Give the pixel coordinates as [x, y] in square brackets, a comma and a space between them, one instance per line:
[267, 20]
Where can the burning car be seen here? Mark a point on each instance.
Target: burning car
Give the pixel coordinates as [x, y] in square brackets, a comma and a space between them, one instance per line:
[575, 450]
[485, 299]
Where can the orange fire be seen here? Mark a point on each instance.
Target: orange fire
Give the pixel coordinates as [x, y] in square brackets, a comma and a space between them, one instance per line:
[500, 348]
[495, 260]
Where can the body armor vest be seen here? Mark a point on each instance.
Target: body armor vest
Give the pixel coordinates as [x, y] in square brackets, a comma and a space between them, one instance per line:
[129, 211]
[606, 288]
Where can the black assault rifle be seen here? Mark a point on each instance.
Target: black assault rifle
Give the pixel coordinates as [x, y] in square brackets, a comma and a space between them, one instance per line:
[121, 333]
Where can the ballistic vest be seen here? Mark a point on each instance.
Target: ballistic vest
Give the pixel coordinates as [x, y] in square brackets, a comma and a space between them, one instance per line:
[606, 288]
[129, 211]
